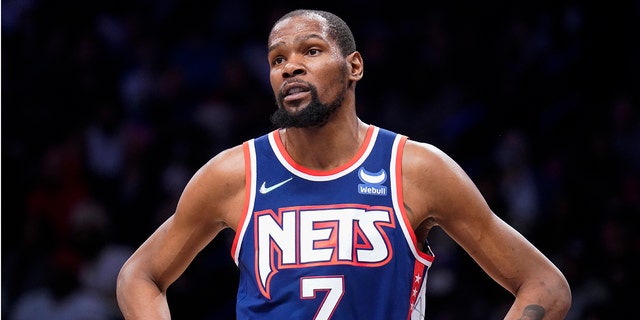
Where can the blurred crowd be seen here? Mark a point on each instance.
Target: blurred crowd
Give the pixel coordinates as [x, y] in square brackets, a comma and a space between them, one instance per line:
[109, 107]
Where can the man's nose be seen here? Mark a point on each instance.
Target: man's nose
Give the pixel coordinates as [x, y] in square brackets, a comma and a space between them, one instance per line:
[292, 68]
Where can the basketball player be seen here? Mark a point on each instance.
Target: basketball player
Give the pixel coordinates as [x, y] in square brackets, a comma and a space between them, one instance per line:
[331, 214]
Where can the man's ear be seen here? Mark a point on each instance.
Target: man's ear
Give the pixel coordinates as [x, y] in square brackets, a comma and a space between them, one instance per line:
[356, 66]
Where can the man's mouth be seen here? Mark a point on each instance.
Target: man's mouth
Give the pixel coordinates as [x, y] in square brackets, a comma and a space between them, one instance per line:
[294, 91]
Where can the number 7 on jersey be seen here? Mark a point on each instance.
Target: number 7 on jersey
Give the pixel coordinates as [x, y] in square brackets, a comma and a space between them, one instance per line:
[334, 285]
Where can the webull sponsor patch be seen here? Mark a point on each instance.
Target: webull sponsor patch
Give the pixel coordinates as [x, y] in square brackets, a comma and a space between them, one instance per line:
[372, 182]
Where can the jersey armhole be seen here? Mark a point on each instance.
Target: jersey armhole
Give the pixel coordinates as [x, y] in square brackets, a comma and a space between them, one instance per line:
[397, 154]
[248, 148]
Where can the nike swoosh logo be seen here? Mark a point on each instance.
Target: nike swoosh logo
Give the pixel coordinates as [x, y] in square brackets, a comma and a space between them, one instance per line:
[264, 189]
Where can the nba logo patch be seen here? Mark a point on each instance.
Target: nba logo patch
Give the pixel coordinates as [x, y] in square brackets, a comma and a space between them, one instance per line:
[372, 182]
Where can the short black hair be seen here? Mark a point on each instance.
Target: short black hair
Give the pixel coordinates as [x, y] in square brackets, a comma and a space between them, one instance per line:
[338, 29]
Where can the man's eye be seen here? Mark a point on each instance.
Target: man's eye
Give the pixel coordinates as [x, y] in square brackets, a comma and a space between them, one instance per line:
[313, 52]
[278, 60]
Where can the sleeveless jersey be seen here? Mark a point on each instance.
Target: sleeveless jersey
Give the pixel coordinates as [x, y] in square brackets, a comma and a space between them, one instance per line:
[328, 244]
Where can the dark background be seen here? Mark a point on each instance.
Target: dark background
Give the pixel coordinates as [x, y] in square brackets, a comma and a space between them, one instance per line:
[108, 108]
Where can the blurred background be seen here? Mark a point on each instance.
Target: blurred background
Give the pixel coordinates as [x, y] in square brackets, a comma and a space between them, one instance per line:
[109, 107]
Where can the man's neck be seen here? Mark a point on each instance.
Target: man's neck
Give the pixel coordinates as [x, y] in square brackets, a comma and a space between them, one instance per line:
[327, 147]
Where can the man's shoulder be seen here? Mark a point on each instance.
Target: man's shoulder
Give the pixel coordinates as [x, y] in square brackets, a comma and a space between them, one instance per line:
[232, 158]
[227, 161]
[425, 156]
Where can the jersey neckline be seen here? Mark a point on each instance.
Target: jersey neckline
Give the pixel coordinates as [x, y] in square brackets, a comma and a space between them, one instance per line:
[299, 170]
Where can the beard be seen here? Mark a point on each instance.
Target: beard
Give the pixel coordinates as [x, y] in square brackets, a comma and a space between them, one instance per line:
[316, 114]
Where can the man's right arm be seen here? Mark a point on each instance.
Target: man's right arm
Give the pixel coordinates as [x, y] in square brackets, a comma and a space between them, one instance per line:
[211, 201]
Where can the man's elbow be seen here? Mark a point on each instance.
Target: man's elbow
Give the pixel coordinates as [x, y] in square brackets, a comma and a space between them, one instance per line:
[563, 295]
[122, 281]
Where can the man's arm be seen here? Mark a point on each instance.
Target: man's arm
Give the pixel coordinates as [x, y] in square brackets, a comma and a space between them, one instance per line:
[211, 201]
[440, 193]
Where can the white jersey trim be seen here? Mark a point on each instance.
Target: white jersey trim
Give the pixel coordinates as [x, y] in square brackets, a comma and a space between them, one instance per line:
[321, 178]
[252, 196]
[409, 235]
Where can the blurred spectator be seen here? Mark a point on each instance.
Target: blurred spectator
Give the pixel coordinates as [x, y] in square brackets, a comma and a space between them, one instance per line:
[518, 185]
[62, 296]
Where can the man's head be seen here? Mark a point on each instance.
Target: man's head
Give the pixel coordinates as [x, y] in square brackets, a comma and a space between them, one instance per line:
[336, 27]
[314, 66]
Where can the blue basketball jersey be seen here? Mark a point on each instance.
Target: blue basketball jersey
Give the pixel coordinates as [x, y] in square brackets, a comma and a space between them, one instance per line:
[328, 244]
